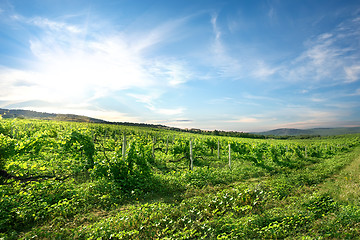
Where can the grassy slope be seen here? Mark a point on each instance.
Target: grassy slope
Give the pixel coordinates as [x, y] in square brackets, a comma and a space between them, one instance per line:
[316, 203]
[247, 202]
[337, 201]
[345, 186]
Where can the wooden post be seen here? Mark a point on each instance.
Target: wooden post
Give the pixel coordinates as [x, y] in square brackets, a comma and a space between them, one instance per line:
[191, 157]
[124, 147]
[218, 152]
[229, 156]
[167, 144]
[153, 147]
[13, 132]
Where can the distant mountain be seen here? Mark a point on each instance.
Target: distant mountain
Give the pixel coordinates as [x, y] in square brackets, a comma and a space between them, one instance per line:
[312, 131]
[286, 132]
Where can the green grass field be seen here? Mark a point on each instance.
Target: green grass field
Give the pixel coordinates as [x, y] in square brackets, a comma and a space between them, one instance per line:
[63, 180]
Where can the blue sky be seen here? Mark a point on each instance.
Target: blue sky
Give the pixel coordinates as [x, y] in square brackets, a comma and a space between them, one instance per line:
[228, 65]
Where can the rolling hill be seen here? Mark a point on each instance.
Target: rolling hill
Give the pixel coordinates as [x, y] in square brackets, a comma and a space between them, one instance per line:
[28, 114]
[312, 131]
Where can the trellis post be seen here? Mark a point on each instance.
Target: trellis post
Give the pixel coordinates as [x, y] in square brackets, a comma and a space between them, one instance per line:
[153, 147]
[191, 157]
[229, 156]
[167, 144]
[124, 147]
[218, 149]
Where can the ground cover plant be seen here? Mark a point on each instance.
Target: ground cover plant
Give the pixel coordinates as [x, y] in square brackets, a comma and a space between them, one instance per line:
[62, 180]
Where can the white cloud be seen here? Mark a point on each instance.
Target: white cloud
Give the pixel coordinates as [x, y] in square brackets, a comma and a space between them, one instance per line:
[233, 25]
[356, 93]
[150, 99]
[329, 58]
[67, 68]
[314, 99]
[225, 65]
[108, 115]
[307, 117]
[53, 25]
[171, 72]
[216, 30]
[272, 14]
[262, 70]
[352, 73]
[168, 111]
[167, 31]
[235, 66]
[258, 97]
[245, 120]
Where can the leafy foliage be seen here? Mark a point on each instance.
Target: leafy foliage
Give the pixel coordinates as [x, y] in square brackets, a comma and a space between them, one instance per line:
[78, 142]
[7, 149]
[100, 186]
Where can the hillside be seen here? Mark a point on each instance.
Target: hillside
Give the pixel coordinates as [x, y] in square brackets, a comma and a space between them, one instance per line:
[312, 131]
[28, 114]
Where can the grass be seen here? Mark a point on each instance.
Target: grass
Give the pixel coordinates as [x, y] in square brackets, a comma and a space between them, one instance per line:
[306, 204]
[345, 186]
[285, 193]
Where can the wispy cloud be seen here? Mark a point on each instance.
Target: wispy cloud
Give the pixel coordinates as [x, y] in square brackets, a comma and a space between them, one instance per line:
[106, 114]
[271, 12]
[307, 117]
[259, 97]
[352, 73]
[355, 93]
[149, 101]
[329, 58]
[53, 25]
[225, 64]
[171, 72]
[167, 31]
[68, 68]
[237, 67]
[222, 100]
[168, 111]
[245, 120]
[263, 71]
[216, 29]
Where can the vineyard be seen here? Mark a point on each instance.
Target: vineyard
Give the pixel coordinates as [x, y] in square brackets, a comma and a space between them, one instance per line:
[67, 180]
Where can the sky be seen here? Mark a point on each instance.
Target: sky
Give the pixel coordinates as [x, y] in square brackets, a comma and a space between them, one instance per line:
[238, 65]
